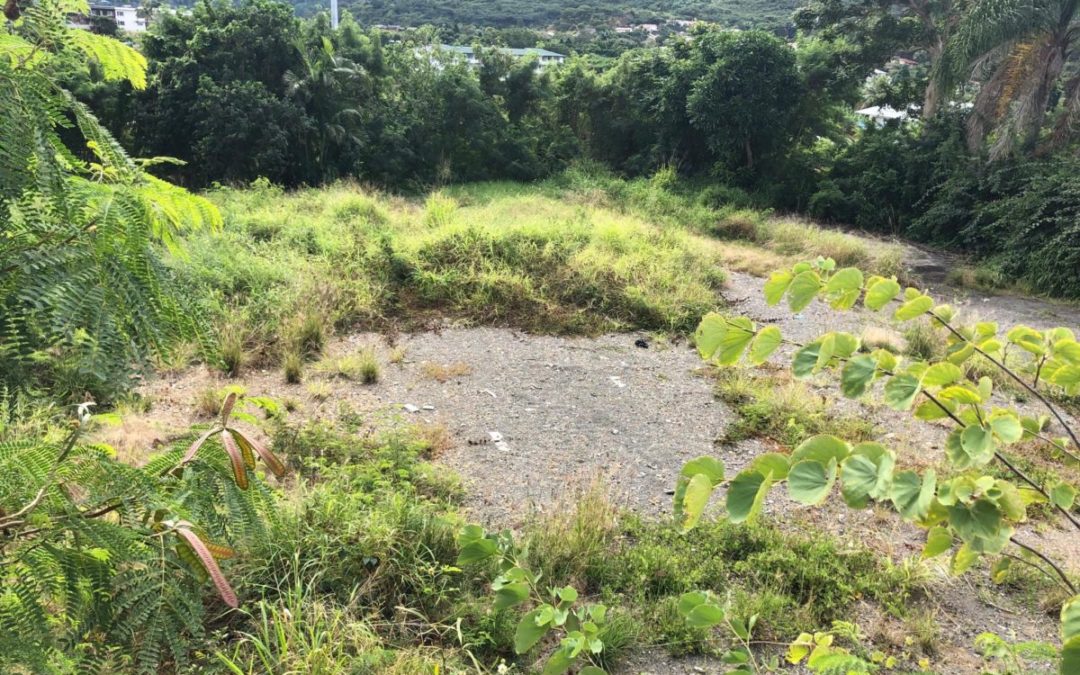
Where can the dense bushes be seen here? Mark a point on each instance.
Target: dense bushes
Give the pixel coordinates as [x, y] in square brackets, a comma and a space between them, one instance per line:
[1020, 217]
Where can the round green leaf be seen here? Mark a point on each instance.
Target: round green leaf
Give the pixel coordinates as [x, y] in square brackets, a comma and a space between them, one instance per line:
[528, 633]
[776, 286]
[698, 491]
[857, 375]
[803, 289]
[941, 374]
[978, 443]
[938, 540]
[914, 308]
[705, 615]
[765, 343]
[881, 293]
[912, 495]
[810, 481]
[1007, 427]
[511, 595]
[806, 359]
[709, 333]
[746, 494]
[1063, 495]
[821, 448]
[844, 286]
[772, 462]
[858, 475]
[732, 343]
[900, 391]
[710, 466]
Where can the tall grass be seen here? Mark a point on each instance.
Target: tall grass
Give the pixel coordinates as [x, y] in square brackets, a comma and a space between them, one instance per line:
[346, 257]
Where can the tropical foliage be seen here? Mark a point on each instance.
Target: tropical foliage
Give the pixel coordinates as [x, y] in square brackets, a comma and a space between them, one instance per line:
[83, 292]
[111, 556]
[970, 510]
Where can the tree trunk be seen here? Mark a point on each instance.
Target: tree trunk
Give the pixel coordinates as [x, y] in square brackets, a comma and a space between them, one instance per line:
[749, 153]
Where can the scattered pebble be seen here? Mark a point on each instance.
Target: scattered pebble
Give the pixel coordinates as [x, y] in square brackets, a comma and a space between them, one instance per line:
[410, 408]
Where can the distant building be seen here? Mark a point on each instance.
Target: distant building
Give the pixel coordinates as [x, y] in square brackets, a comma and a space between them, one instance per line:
[544, 58]
[882, 114]
[125, 17]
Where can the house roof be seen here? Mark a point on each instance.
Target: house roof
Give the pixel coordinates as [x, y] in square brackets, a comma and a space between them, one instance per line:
[468, 51]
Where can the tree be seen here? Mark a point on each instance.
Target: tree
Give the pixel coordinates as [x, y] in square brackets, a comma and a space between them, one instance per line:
[745, 100]
[81, 281]
[1024, 48]
[326, 87]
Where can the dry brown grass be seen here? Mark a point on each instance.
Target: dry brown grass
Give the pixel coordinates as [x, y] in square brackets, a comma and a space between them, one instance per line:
[753, 259]
[435, 435]
[134, 437]
[445, 372]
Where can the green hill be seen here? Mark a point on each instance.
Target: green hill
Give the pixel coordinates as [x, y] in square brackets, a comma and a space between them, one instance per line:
[562, 13]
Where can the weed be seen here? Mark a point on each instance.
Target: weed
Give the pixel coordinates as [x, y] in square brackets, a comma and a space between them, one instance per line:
[444, 373]
[982, 277]
[293, 366]
[439, 210]
[308, 336]
[789, 581]
[877, 337]
[783, 409]
[924, 341]
[320, 391]
[232, 353]
[573, 540]
[397, 355]
[925, 631]
[361, 366]
[435, 435]
[208, 402]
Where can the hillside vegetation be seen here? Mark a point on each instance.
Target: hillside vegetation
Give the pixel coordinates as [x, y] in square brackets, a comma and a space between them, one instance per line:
[439, 369]
[566, 13]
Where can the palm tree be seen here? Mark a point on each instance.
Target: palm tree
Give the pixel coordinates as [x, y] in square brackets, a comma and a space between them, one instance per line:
[1018, 48]
[323, 86]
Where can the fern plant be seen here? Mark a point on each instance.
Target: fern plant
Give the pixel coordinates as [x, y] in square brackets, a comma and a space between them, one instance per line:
[102, 559]
[83, 291]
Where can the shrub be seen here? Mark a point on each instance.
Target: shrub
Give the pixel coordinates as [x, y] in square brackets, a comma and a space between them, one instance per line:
[293, 366]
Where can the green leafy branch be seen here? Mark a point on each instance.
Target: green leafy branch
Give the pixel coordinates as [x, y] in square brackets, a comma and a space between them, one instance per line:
[555, 610]
[979, 511]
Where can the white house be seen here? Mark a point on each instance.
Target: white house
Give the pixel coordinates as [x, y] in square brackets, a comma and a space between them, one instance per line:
[544, 58]
[126, 17]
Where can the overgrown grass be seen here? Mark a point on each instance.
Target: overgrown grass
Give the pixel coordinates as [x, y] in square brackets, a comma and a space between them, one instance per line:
[359, 572]
[289, 268]
[582, 253]
[728, 214]
[779, 408]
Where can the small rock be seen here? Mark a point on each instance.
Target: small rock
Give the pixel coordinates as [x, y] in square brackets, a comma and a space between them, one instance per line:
[429, 407]
[410, 408]
[495, 436]
[641, 343]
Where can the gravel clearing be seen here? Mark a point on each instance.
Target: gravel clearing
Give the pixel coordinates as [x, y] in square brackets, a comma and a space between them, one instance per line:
[532, 419]
[538, 417]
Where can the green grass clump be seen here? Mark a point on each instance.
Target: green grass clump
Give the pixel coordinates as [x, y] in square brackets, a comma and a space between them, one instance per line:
[792, 582]
[361, 366]
[782, 409]
[293, 367]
